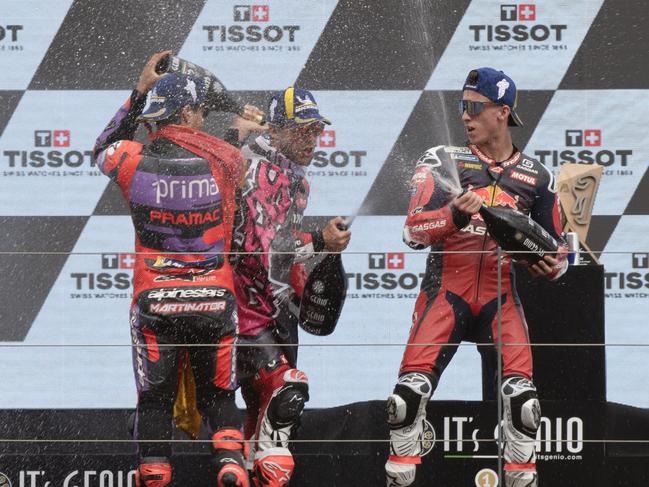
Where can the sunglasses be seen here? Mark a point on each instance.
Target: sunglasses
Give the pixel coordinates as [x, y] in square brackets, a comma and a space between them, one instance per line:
[308, 130]
[474, 107]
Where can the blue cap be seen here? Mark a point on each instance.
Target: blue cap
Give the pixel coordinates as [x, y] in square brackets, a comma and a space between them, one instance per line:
[496, 86]
[172, 92]
[294, 107]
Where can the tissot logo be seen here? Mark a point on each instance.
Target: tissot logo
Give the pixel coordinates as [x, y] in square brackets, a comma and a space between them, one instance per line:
[327, 138]
[525, 12]
[517, 27]
[588, 138]
[631, 284]
[51, 138]
[336, 159]
[59, 141]
[117, 261]
[254, 29]
[9, 33]
[391, 260]
[112, 283]
[254, 13]
[591, 140]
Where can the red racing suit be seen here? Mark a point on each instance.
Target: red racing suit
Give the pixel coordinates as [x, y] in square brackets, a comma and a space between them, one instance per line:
[459, 293]
[180, 189]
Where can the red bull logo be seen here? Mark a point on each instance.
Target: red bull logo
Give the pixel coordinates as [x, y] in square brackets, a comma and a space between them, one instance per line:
[495, 196]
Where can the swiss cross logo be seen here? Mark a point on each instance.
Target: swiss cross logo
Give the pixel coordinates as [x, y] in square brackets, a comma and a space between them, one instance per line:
[126, 261]
[260, 13]
[327, 138]
[61, 138]
[395, 260]
[391, 260]
[593, 137]
[588, 138]
[254, 13]
[117, 261]
[52, 138]
[525, 12]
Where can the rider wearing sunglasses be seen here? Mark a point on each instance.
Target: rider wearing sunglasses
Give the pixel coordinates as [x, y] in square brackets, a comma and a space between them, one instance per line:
[459, 295]
[270, 276]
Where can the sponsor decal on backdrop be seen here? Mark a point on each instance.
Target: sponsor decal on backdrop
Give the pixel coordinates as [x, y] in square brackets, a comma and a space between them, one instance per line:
[518, 27]
[631, 282]
[251, 29]
[75, 478]
[110, 279]
[587, 146]
[51, 154]
[11, 37]
[256, 46]
[560, 438]
[330, 160]
[384, 277]
[533, 42]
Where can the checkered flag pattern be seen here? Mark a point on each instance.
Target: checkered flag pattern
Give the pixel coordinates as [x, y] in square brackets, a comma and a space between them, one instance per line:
[388, 74]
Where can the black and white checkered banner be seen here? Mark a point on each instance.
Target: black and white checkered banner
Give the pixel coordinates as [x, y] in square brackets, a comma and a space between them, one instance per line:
[388, 74]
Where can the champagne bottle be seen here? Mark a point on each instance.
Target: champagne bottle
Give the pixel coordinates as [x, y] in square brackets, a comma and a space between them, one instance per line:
[218, 97]
[518, 234]
[324, 296]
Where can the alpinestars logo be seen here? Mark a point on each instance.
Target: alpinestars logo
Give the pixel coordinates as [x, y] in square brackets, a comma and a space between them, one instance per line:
[52, 150]
[585, 146]
[251, 26]
[331, 160]
[519, 23]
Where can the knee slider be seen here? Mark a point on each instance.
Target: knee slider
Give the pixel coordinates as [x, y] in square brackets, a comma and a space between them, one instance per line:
[521, 405]
[287, 403]
[153, 472]
[409, 399]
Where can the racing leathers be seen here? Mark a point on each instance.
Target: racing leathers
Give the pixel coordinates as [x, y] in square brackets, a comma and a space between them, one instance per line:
[269, 277]
[459, 298]
[180, 189]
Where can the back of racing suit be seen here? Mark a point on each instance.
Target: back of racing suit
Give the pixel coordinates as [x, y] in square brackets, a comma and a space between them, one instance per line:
[269, 274]
[459, 299]
[181, 194]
